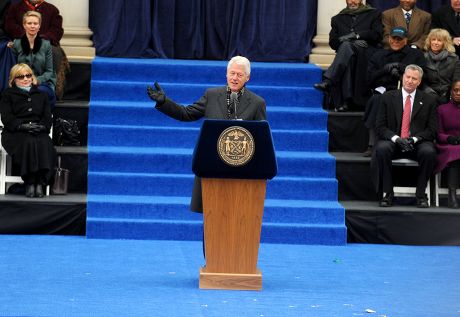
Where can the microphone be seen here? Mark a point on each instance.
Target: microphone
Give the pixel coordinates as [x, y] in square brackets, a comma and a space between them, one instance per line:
[234, 101]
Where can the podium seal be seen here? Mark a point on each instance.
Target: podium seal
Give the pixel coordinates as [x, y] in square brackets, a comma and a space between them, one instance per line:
[235, 146]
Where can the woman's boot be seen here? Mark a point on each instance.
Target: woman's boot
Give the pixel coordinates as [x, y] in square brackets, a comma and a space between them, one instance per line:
[452, 198]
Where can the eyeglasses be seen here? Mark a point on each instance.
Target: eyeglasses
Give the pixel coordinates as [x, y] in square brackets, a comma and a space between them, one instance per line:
[22, 76]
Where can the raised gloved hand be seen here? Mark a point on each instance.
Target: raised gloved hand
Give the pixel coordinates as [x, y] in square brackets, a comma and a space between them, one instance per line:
[157, 94]
[348, 37]
[361, 43]
[454, 140]
[406, 145]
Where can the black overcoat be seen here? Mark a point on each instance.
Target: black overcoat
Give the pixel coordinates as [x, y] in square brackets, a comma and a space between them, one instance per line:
[31, 152]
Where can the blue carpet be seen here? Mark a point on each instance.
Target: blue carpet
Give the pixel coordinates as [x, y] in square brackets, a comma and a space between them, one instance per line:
[139, 161]
[73, 276]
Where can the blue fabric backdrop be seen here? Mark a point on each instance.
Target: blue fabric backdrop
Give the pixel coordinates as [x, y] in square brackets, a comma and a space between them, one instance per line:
[262, 30]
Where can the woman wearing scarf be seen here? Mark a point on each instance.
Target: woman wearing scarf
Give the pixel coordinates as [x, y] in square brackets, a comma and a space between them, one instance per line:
[26, 116]
[442, 65]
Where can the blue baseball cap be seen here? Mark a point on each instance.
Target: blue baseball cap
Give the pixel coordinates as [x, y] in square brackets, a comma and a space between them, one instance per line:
[399, 32]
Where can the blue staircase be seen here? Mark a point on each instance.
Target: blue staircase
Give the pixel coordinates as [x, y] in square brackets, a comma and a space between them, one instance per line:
[139, 160]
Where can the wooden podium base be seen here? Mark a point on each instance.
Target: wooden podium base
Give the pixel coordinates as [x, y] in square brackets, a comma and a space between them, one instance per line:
[230, 281]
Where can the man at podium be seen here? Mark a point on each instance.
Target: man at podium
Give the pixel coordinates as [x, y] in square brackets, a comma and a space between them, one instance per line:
[233, 102]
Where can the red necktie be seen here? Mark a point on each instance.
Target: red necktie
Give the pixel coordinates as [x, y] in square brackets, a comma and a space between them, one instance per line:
[406, 119]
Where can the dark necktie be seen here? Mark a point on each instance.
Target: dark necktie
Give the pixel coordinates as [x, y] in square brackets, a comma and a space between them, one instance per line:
[408, 17]
[457, 18]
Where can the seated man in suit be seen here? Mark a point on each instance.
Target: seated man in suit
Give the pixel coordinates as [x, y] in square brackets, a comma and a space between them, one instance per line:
[406, 128]
[355, 33]
[416, 21]
[216, 103]
[447, 17]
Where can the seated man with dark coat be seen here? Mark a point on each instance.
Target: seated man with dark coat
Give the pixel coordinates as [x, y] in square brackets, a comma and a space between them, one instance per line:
[356, 32]
[385, 70]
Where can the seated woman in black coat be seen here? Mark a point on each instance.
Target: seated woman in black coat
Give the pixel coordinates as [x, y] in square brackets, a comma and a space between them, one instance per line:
[26, 116]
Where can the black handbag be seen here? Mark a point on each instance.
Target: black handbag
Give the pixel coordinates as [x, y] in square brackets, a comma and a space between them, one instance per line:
[67, 132]
[61, 180]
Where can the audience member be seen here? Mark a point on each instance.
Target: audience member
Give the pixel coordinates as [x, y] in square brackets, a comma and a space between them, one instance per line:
[50, 29]
[7, 58]
[385, 70]
[355, 33]
[448, 17]
[442, 65]
[26, 116]
[216, 104]
[449, 142]
[407, 15]
[34, 51]
[406, 127]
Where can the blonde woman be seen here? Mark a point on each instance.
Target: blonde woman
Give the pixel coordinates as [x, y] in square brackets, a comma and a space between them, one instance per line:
[26, 116]
[442, 65]
[36, 52]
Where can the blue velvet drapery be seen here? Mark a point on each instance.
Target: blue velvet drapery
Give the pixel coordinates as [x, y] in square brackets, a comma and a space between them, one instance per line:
[262, 30]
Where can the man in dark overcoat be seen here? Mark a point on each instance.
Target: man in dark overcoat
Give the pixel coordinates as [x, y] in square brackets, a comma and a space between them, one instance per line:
[355, 33]
[447, 17]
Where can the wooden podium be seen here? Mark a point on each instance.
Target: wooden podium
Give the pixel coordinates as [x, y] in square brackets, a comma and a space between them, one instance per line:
[233, 203]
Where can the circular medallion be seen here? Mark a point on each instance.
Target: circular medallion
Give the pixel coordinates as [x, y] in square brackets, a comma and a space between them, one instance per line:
[235, 146]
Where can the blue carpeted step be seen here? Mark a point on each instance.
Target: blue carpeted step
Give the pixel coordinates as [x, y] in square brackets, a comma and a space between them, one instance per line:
[177, 208]
[115, 183]
[159, 136]
[188, 93]
[210, 72]
[126, 113]
[121, 228]
[177, 160]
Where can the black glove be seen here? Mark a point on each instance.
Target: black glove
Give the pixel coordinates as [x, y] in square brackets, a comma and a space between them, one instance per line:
[348, 37]
[454, 140]
[37, 128]
[361, 43]
[406, 145]
[395, 72]
[157, 95]
[24, 127]
[390, 66]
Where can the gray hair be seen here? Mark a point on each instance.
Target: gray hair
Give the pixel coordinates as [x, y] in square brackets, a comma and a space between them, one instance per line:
[242, 61]
[416, 68]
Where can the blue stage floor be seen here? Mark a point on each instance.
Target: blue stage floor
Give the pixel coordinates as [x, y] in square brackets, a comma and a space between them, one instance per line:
[74, 276]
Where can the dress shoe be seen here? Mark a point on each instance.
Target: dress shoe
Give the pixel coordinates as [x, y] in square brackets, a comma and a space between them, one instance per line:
[342, 108]
[30, 190]
[452, 198]
[422, 202]
[368, 152]
[387, 201]
[323, 86]
[39, 191]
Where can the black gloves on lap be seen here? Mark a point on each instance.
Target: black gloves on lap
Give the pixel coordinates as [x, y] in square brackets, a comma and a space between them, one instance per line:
[406, 145]
[157, 94]
[348, 37]
[32, 127]
[361, 43]
[454, 140]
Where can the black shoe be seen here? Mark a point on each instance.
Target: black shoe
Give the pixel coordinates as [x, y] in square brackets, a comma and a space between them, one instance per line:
[368, 152]
[387, 201]
[422, 202]
[323, 86]
[342, 108]
[39, 191]
[452, 198]
[30, 190]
